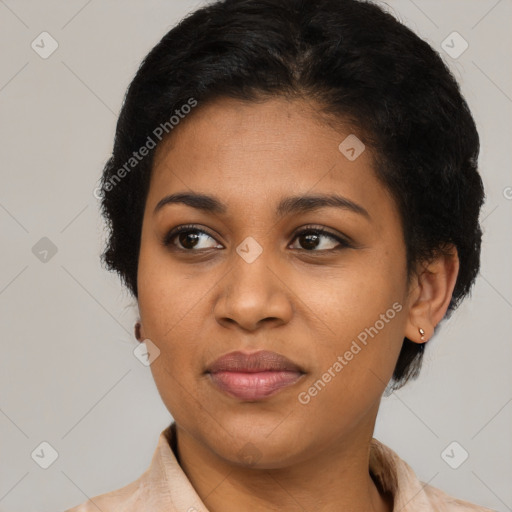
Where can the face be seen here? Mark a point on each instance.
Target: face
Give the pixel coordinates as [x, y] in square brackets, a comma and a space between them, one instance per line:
[322, 283]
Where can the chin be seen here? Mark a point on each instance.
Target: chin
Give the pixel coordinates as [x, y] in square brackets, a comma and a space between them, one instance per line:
[256, 443]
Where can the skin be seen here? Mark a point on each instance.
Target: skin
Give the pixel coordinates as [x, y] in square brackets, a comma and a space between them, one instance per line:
[305, 301]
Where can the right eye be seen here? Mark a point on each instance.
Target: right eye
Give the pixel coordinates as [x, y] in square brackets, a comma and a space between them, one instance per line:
[187, 238]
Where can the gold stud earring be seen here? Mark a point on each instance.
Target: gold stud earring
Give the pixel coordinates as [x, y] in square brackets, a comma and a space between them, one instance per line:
[422, 334]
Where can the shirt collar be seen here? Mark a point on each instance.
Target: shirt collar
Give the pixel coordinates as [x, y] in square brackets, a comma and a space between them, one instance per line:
[395, 476]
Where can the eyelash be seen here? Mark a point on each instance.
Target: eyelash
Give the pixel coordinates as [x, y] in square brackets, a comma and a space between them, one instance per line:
[187, 228]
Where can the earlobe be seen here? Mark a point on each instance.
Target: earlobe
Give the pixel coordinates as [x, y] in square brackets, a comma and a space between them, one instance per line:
[137, 330]
[433, 288]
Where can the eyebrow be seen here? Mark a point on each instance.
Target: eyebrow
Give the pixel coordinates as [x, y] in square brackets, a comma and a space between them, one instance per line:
[287, 206]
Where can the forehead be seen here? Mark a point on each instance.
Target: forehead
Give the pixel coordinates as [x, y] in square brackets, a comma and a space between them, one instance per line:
[254, 152]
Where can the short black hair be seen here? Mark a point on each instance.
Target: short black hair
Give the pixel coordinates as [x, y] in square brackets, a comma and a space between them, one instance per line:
[362, 66]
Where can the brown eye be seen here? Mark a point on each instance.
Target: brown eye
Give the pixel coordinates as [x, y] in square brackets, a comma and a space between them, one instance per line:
[189, 238]
[319, 240]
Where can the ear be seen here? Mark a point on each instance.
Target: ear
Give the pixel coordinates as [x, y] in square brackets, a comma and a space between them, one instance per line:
[430, 293]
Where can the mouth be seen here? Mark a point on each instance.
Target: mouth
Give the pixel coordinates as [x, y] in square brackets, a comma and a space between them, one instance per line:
[253, 376]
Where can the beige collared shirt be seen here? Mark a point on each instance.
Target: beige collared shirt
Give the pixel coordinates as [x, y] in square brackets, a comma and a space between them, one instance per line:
[164, 487]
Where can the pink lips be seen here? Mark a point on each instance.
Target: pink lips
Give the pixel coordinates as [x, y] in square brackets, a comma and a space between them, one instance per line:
[253, 376]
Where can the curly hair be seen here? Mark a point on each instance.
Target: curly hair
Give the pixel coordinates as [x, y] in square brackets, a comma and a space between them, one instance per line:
[360, 65]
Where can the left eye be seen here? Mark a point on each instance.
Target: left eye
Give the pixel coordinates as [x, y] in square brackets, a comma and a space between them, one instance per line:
[311, 240]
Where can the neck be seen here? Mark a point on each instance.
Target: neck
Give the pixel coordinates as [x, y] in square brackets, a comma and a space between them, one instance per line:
[336, 478]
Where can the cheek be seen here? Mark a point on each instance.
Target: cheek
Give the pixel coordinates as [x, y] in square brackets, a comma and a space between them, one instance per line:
[167, 292]
[353, 295]
[169, 305]
[169, 311]
[363, 316]
[355, 364]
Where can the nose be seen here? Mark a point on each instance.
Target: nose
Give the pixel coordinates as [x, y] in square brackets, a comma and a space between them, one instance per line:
[254, 294]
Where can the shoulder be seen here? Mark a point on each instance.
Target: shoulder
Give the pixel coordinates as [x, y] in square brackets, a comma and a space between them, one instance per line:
[156, 489]
[396, 477]
[445, 503]
[127, 498]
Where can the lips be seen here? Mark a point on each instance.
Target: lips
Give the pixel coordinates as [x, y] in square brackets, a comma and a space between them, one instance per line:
[261, 361]
[253, 376]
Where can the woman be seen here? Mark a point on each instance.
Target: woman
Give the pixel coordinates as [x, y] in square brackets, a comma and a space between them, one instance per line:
[293, 200]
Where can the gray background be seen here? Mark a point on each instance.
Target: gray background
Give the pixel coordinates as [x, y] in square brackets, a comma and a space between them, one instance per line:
[67, 372]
